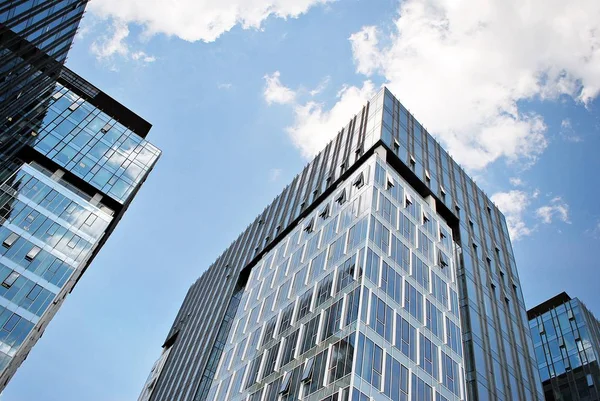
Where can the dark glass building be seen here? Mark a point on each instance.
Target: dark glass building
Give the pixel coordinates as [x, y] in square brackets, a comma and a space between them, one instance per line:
[71, 161]
[381, 272]
[61, 196]
[35, 37]
[566, 336]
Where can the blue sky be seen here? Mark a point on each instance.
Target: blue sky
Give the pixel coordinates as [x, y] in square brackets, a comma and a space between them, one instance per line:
[240, 97]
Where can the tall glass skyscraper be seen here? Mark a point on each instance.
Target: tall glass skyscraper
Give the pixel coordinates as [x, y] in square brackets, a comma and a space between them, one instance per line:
[71, 161]
[381, 272]
[61, 196]
[35, 37]
[566, 336]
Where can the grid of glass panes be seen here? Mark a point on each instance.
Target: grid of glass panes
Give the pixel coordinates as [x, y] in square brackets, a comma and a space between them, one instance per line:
[563, 339]
[46, 233]
[295, 329]
[409, 344]
[92, 145]
[495, 326]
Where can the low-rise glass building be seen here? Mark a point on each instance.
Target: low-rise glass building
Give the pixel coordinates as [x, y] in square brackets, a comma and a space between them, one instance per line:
[566, 336]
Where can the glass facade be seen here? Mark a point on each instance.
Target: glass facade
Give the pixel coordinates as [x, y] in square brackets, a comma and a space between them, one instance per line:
[47, 234]
[71, 160]
[566, 336]
[351, 301]
[493, 336]
[91, 144]
[35, 37]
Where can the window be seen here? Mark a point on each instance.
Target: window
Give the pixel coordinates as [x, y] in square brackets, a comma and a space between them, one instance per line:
[269, 330]
[407, 229]
[382, 318]
[74, 106]
[289, 350]
[10, 280]
[308, 370]
[420, 390]
[405, 337]
[428, 356]
[324, 212]
[450, 374]
[340, 363]
[106, 127]
[32, 253]
[453, 338]
[420, 272]
[400, 254]
[11, 323]
[332, 319]
[10, 240]
[5, 210]
[391, 282]
[439, 289]
[369, 364]
[304, 304]
[442, 259]
[341, 197]
[352, 308]
[284, 388]
[434, 320]
[270, 359]
[286, 318]
[345, 274]
[387, 210]
[425, 245]
[372, 267]
[380, 235]
[310, 334]
[389, 183]
[359, 181]
[253, 371]
[324, 290]
[413, 301]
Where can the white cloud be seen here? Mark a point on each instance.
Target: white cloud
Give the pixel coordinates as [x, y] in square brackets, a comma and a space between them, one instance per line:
[225, 86]
[314, 126]
[514, 204]
[142, 56]
[557, 208]
[567, 131]
[204, 20]
[107, 46]
[321, 87]
[275, 92]
[516, 182]
[365, 48]
[274, 174]
[463, 67]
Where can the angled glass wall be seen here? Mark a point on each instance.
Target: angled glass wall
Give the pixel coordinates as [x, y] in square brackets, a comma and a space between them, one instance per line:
[566, 336]
[359, 301]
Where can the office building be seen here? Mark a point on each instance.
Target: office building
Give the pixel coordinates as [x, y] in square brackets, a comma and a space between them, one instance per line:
[566, 337]
[81, 159]
[35, 37]
[381, 271]
[71, 161]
